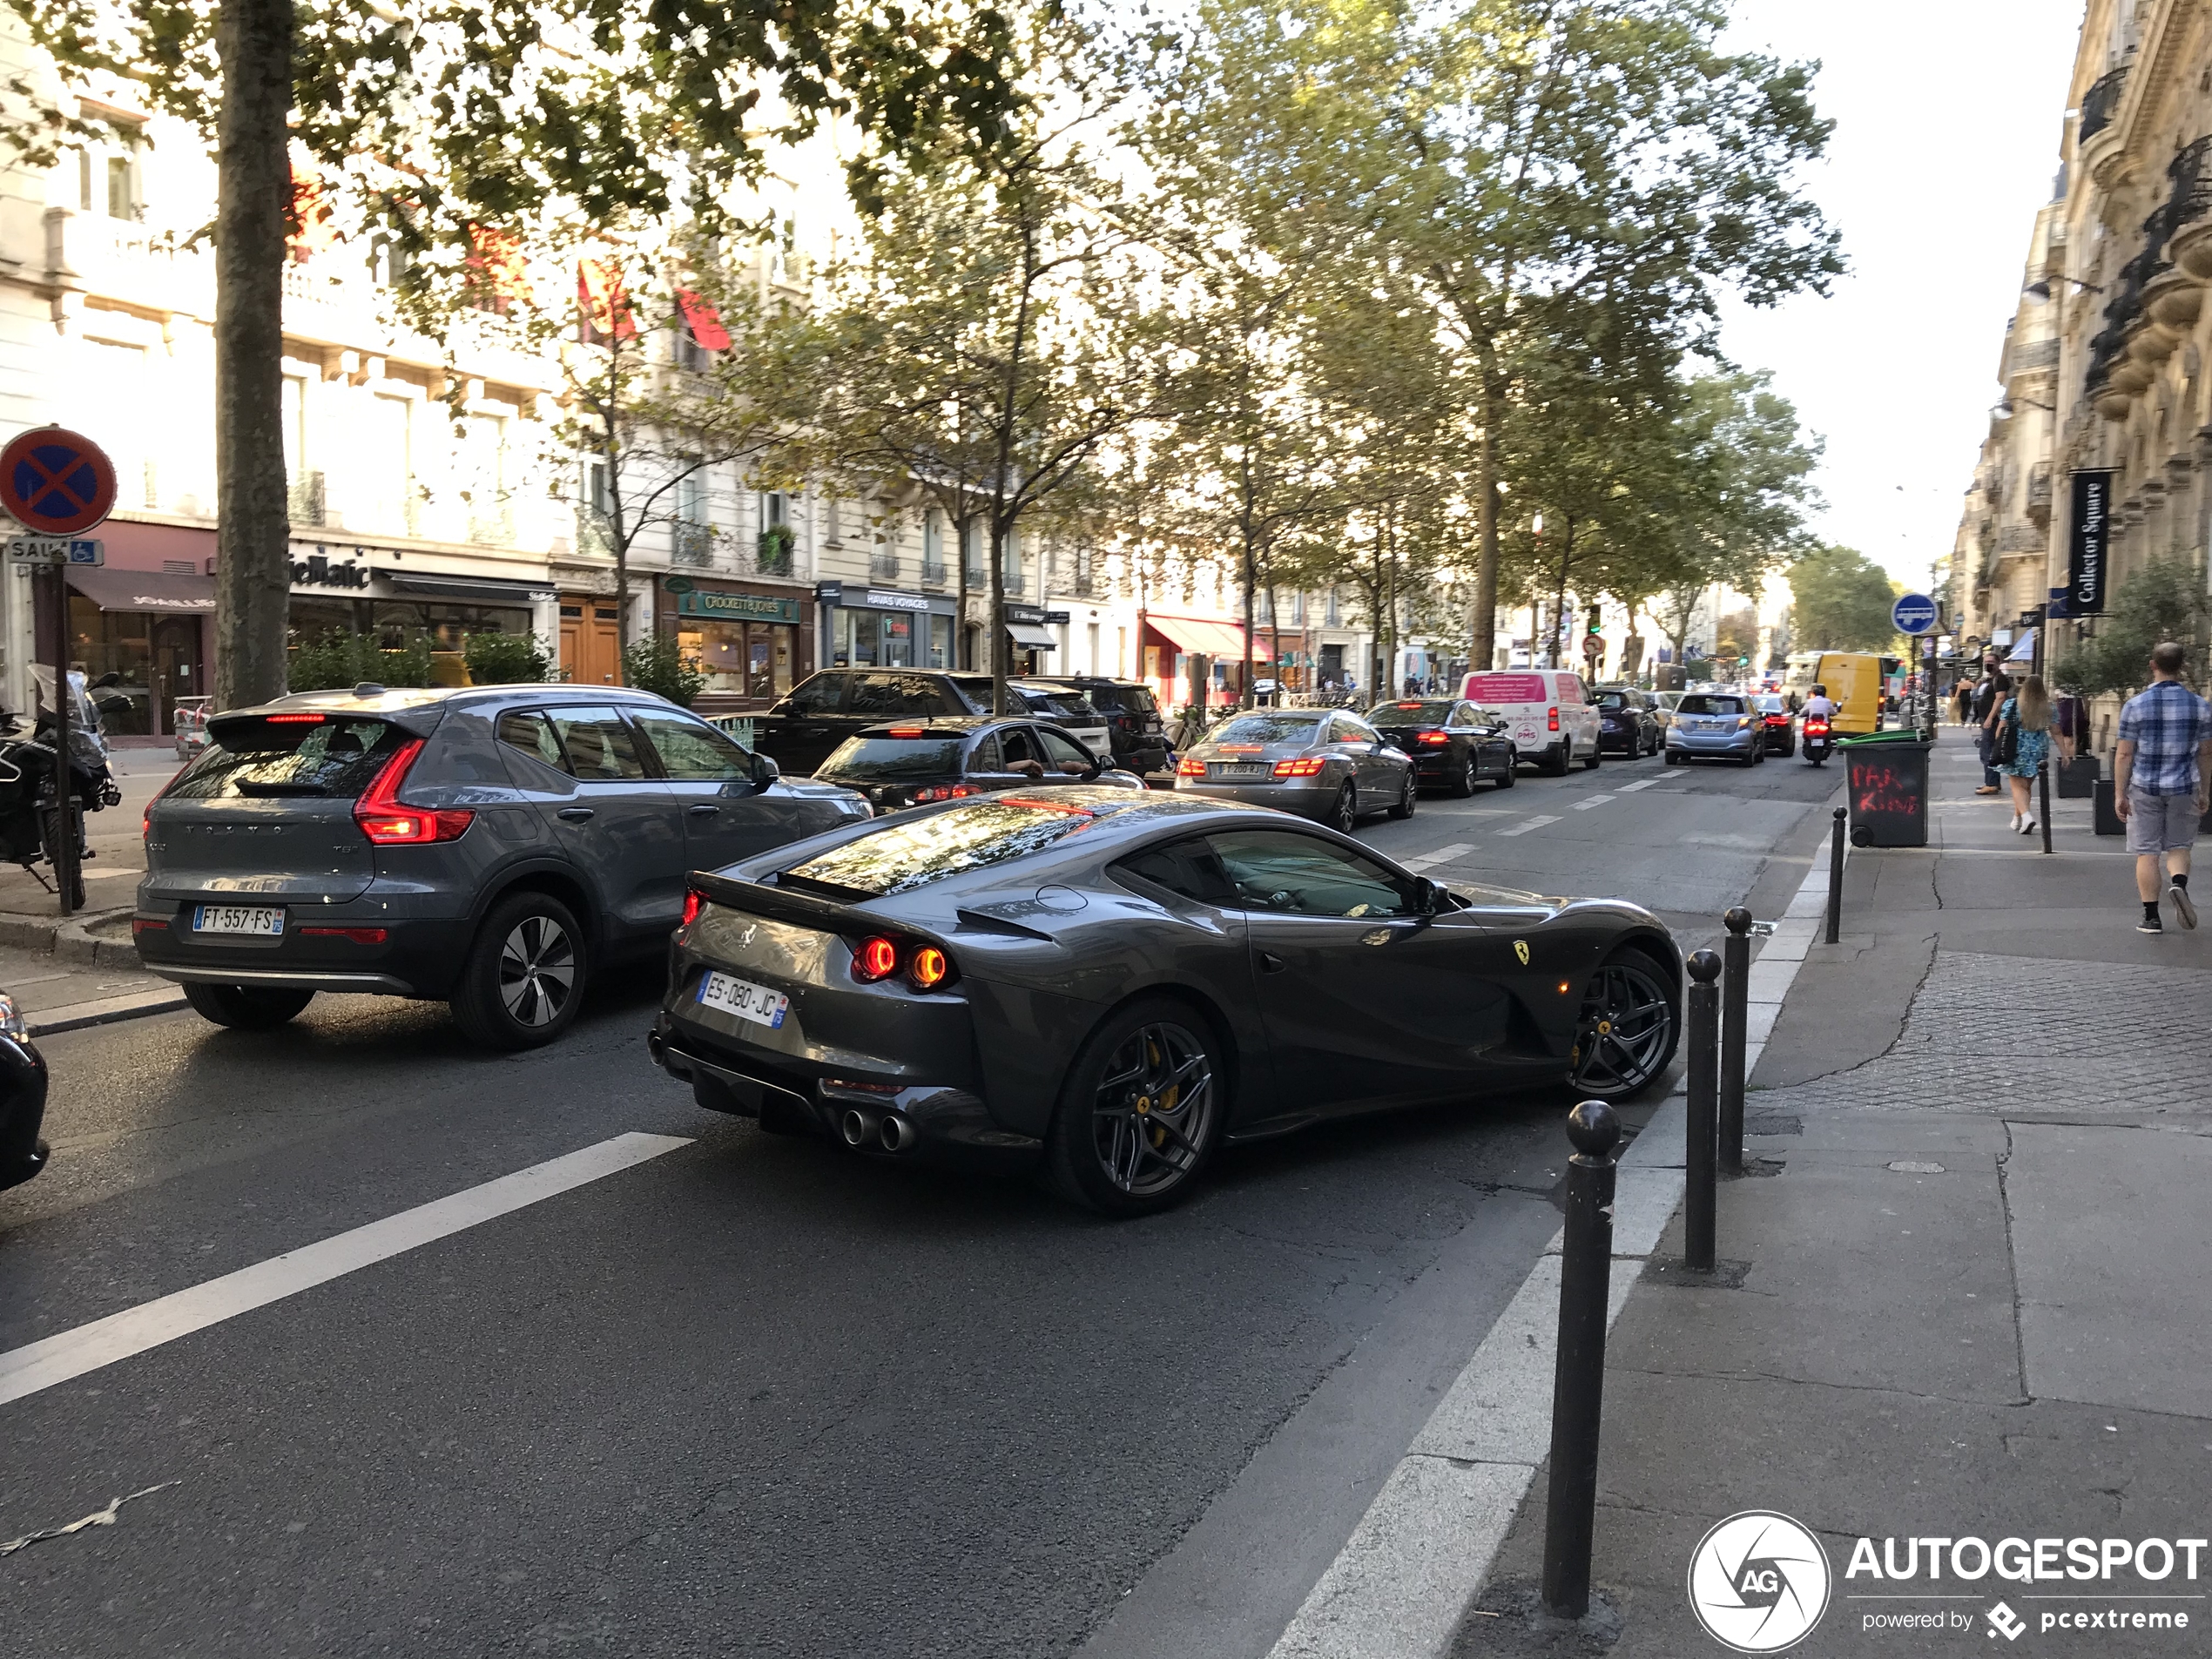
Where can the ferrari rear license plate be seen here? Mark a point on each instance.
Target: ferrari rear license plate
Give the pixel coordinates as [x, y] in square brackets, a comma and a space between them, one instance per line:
[1242, 769]
[255, 920]
[727, 993]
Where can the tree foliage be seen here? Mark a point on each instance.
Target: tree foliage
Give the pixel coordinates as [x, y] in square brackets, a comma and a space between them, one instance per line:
[1840, 600]
[2162, 600]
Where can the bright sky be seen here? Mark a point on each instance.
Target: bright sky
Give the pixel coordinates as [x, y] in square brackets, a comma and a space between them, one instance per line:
[1948, 115]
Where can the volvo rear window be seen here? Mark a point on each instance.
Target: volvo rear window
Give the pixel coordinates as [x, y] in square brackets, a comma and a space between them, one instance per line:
[906, 854]
[313, 755]
[892, 760]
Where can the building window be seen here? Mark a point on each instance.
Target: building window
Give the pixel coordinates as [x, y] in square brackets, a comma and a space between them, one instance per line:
[1333, 615]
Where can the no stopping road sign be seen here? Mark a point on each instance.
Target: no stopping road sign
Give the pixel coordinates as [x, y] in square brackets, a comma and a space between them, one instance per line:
[55, 482]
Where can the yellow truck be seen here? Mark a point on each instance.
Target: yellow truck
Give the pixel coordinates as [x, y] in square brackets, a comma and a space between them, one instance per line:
[1854, 682]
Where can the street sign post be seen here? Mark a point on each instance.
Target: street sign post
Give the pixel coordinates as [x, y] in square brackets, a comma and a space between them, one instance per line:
[57, 484]
[1913, 613]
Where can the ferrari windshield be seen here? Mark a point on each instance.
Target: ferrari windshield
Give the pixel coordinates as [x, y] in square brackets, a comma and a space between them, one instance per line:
[912, 853]
[1266, 728]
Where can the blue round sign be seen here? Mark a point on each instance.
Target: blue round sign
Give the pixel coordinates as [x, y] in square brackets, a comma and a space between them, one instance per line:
[1914, 613]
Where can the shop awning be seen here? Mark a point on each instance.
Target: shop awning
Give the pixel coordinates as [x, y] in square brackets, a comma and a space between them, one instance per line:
[1195, 634]
[143, 590]
[1032, 637]
[483, 590]
[2023, 648]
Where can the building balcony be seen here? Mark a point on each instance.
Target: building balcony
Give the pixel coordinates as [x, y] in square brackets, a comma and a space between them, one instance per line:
[933, 573]
[2038, 492]
[883, 567]
[690, 545]
[305, 501]
[2100, 103]
[122, 259]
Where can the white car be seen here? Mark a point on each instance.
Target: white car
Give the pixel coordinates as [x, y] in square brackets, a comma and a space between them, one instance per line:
[1547, 713]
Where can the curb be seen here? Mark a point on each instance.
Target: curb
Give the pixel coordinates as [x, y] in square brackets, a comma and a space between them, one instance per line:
[76, 1016]
[1405, 1581]
[70, 941]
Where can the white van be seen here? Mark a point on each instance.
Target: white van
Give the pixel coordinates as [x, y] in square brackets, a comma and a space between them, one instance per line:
[1547, 713]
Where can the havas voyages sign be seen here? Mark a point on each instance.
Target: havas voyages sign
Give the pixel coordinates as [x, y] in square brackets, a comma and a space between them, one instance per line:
[2089, 532]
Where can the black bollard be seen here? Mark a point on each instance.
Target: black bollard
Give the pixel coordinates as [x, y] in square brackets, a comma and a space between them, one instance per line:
[1736, 1016]
[2043, 787]
[1697, 1161]
[1836, 880]
[1578, 1374]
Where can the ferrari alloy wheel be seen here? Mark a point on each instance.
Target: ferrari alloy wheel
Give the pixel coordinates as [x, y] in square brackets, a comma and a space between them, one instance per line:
[1142, 1110]
[1344, 815]
[1627, 1031]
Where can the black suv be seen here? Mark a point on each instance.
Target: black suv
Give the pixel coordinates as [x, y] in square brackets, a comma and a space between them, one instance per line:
[1133, 724]
[902, 763]
[834, 704]
[490, 846]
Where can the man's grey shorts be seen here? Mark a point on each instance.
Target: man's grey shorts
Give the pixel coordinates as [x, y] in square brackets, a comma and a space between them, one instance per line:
[2161, 823]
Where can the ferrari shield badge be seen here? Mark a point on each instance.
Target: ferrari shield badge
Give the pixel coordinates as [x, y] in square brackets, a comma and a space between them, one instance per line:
[1521, 950]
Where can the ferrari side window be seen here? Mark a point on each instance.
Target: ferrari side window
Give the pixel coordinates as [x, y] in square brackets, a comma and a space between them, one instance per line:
[1186, 868]
[1294, 875]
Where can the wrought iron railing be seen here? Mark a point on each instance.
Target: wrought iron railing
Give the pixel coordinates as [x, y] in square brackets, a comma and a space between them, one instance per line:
[2100, 103]
[933, 573]
[884, 566]
[2191, 197]
[304, 500]
[691, 543]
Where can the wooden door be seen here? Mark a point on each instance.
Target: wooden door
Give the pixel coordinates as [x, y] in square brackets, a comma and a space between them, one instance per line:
[590, 639]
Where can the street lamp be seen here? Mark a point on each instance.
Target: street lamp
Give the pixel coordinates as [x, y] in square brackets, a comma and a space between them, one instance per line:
[2002, 408]
[2042, 290]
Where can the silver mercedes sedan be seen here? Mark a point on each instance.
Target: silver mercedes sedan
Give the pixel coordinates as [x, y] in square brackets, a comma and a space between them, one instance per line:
[1322, 763]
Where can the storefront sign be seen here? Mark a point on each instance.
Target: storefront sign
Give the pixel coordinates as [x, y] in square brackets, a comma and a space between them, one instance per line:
[891, 599]
[2090, 530]
[1035, 614]
[320, 571]
[829, 593]
[736, 607]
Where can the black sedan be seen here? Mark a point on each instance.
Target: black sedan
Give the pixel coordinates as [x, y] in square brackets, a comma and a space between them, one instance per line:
[1629, 723]
[22, 1099]
[911, 763]
[1114, 982]
[1776, 725]
[1452, 743]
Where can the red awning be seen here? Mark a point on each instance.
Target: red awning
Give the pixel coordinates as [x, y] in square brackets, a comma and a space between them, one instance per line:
[705, 321]
[1197, 635]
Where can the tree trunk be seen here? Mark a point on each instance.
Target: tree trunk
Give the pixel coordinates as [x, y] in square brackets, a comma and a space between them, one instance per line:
[254, 554]
[1558, 597]
[962, 657]
[1482, 625]
[1000, 531]
[1245, 693]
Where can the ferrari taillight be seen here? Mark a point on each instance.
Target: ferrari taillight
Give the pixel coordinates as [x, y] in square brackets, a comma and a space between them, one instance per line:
[693, 899]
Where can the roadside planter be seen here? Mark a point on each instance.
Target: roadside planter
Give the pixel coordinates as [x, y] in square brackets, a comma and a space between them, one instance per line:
[1888, 784]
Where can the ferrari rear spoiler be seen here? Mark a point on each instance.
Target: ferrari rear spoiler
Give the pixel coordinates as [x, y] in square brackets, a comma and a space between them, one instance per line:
[783, 904]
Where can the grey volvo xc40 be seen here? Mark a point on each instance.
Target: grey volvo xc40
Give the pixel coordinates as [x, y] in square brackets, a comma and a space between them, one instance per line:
[491, 847]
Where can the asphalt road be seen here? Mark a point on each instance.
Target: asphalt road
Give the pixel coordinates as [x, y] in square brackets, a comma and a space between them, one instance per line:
[754, 1396]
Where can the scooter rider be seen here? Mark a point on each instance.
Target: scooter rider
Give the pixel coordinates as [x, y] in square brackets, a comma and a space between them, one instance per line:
[1818, 707]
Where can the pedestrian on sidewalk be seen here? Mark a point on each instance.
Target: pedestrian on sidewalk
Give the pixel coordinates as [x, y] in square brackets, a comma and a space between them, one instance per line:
[1989, 696]
[2023, 744]
[2158, 783]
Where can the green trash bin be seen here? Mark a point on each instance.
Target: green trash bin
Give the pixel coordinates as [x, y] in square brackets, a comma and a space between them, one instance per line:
[1887, 778]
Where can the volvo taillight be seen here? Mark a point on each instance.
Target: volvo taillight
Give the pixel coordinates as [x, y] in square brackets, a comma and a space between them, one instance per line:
[388, 821]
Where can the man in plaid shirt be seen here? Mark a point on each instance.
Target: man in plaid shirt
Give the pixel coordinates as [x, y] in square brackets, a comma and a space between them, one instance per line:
[2159, 779]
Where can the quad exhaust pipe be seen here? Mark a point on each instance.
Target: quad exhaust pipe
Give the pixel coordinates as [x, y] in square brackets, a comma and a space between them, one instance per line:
[872, 1132]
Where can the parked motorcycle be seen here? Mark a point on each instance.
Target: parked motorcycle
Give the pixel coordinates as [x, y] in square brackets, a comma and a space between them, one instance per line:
[31, 822]
[1817, 739]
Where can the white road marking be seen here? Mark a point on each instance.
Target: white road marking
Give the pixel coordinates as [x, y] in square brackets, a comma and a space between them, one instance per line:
[1530, 824]
[1644, 784]
[1442, 855]
[71, 1353]
[1402, 1586]
[1595, 800]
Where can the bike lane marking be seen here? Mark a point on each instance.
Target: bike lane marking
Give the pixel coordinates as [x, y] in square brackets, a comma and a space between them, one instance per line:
[71, 1353]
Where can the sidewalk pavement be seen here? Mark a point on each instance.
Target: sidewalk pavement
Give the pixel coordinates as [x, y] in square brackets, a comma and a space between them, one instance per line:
[1970, 1294]
[66, 974]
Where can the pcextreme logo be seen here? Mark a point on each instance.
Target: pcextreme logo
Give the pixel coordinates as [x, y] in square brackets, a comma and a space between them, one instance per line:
[1758, 1582]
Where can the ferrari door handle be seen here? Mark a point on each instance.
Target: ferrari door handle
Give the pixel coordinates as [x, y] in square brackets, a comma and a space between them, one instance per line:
[1271, 963]
[704, 809]
[573, 814]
